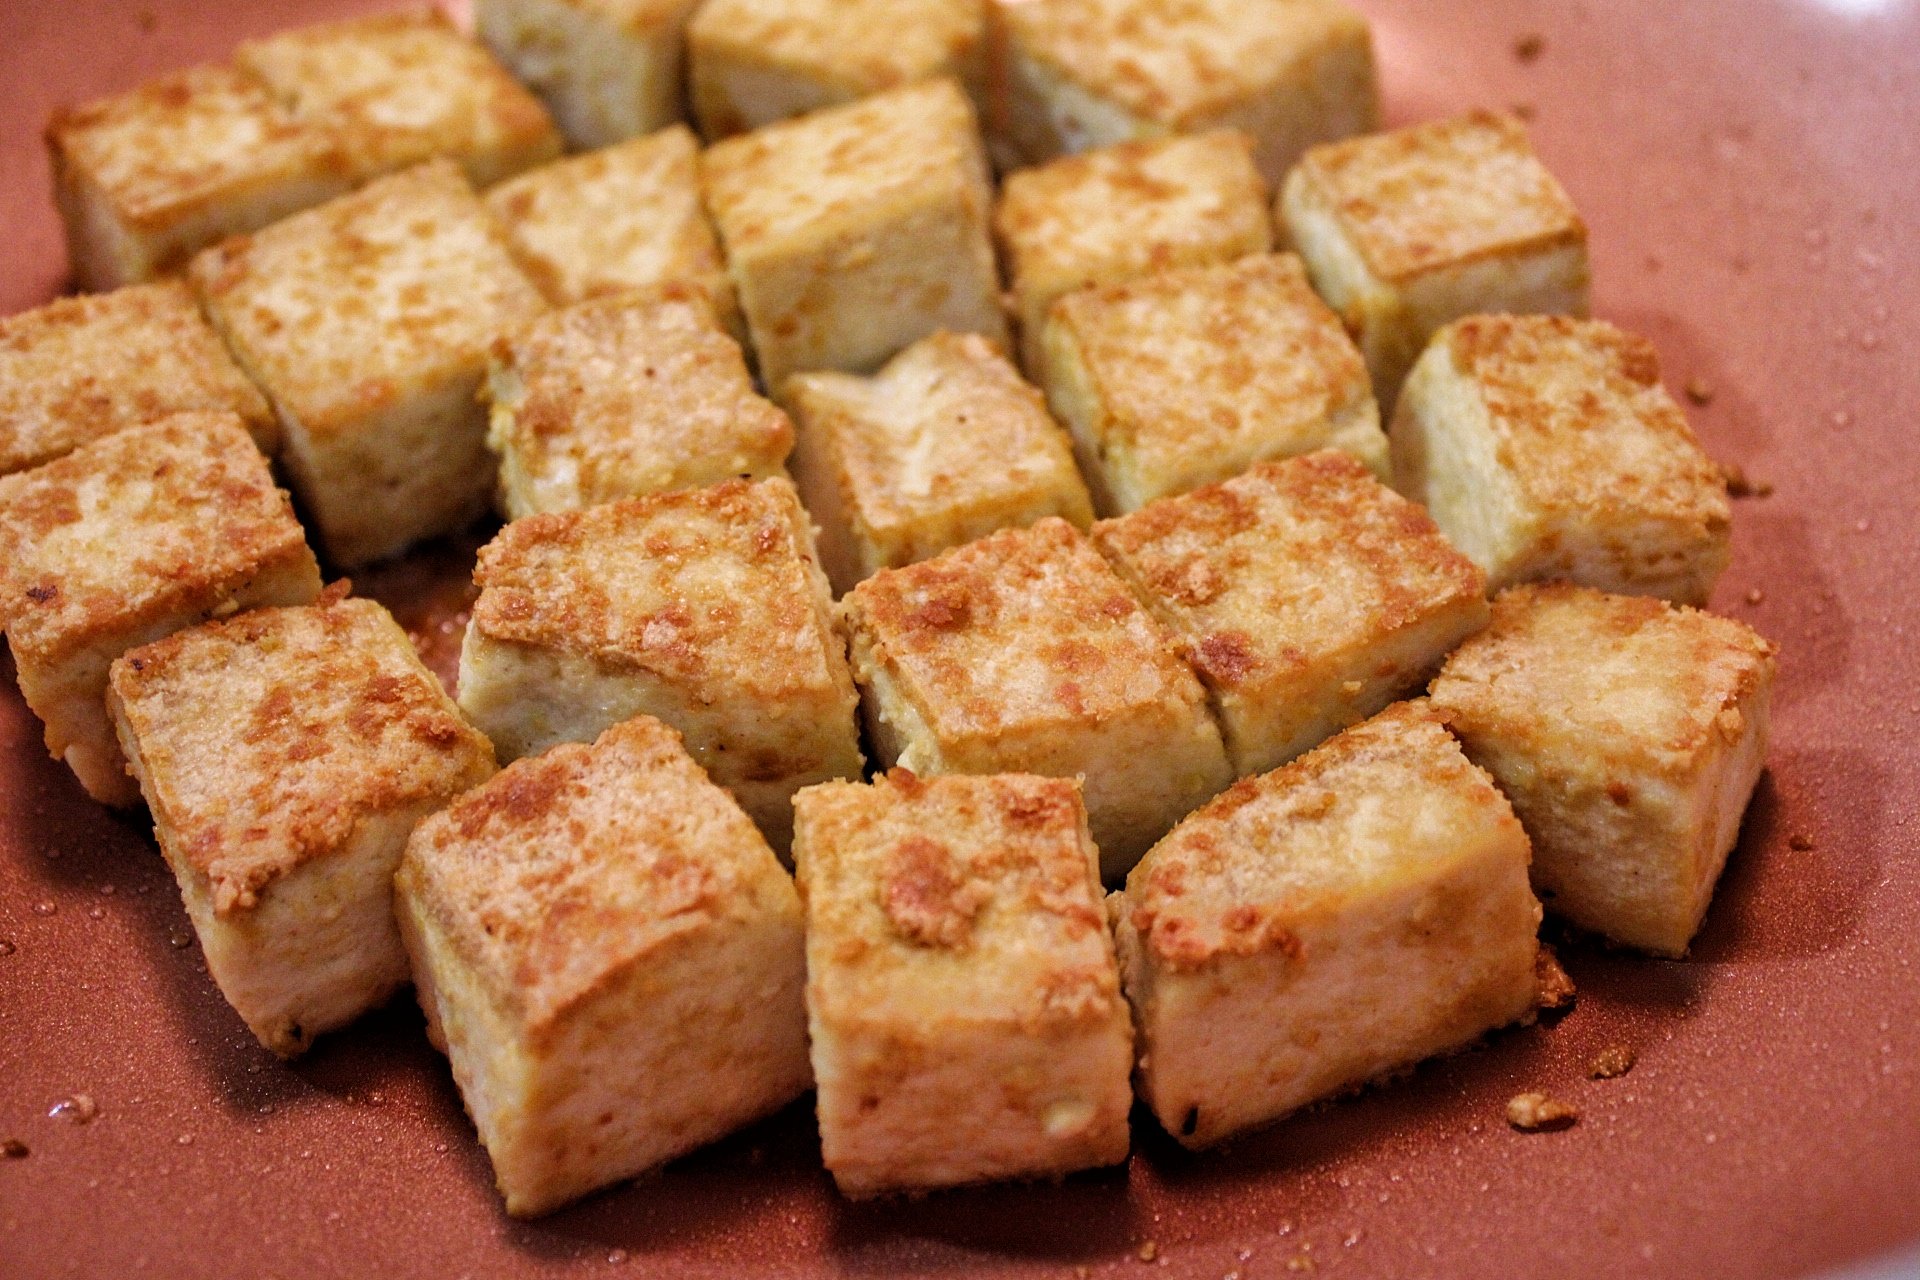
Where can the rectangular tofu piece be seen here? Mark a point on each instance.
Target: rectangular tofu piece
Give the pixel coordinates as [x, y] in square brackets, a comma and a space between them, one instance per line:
[1075, 74]
[1547, 448]
[946, 444]
[286, 755]
[126, 540]
[608, 70]
[81, 368]
[1325, 925]
[1629, 734]
[610, 956]
[1185, 377]
[1123, 211]
[1306, 595]
[858, 230]
[147, 179]
[1406, 231]
[962, 995]
[367, 321]
[623, 396]
[704, 608]
[1024, 652]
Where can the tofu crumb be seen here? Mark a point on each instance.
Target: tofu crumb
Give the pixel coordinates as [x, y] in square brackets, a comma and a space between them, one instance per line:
[1800, 842]
[1612, 1062]
[1755, 596]
[1699, 391]
[1148, 1251]
[14, 1149]
[1537, 1113]
[1529, 47]
[1556, 989]
[1740, 486]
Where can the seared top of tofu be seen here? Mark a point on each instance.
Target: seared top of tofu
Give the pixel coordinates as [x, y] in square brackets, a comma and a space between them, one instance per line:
[861, 45]
[1389, 799]
[135, 527]
[953, 900]
[267, 738]
[1629, 683]
[1441, 194]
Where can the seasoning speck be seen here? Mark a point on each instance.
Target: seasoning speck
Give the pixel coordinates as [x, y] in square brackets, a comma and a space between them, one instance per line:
[1612, 1062]
[1537, 1113]
[1800, 842]
[1700, 391]
[14, 1149]
[1529, 47]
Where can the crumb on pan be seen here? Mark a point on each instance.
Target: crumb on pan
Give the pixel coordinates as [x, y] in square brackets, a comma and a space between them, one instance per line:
[1538, 1113]
[1612, 1062]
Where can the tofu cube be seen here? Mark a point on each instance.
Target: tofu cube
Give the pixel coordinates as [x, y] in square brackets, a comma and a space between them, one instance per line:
[755, 62]
[367, 322]
[609, 70]
[624, 396]
[612, 959]
[946, 444]
[1024, 652]
[1406, 231]
[1547, 448]
[1123, 211]
[81, 368]
[1629, 734]
[286, 755]
[1306, 595]
[398, 89]
[126, 540]
[962, 995]
[704, 608]
[1074, 74]
[147, 179]
[1326, 925]
[858, 230]
[1186, 377]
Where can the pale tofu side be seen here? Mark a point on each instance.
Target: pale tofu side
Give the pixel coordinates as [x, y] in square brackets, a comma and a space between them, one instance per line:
[612, 959]
[962, 994]
[1547, 448]
[1325, 925]
[126, 540]
[1629, 734]
[609, 70]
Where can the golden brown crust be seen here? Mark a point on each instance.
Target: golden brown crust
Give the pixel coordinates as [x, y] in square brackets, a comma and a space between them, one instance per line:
[858, 46]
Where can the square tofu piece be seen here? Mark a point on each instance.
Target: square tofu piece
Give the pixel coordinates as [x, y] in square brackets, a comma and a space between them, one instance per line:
[1406, 231]
[624, 396]
[147, 179]
[609, 70]
[401, 88]
[945, 445]
[962, 994]
[1182, 378]
[858, 230]
[367, 321]
[1075, 74]
[286, 755]
[703, 608]
[1629, 734]
[126, 540]
[81, 368]
[1325, 925]
[1547, 448]
[611, 957]
[1306, 594]
[755, 62]
[1123, 211]
[1023, 652]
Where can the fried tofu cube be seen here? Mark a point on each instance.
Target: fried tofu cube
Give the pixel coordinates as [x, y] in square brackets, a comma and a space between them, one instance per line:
[367, 321]
[398, 89]
[1547, 448]
[609, 70]
[1629, 734]
[1325, 925]
[946, 444]
[612, 959]
[1306, 595]
[1024, 652]
[704, 608]
[858, 230]
[1123, 211]
[81, 368]
[1186, 377]
[126, 540]
[1075, 74]
[1406, 231]
[624, 396]
[755, 62]
[962, 993]
[286, 755]
[149, 178]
